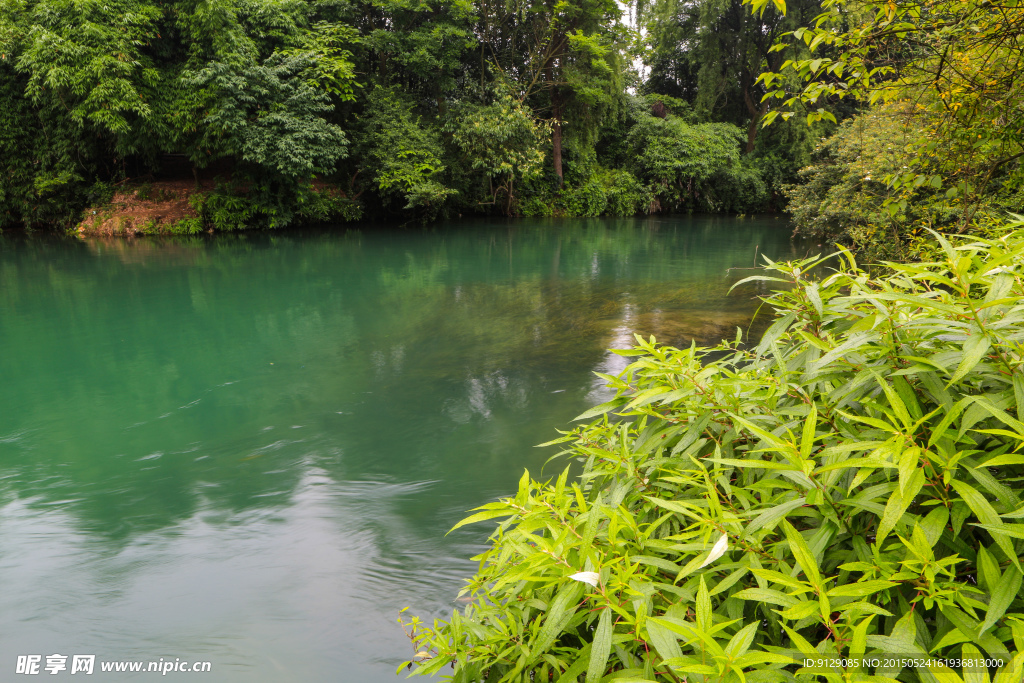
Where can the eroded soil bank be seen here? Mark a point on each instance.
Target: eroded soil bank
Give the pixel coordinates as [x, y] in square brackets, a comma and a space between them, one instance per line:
[169, 206]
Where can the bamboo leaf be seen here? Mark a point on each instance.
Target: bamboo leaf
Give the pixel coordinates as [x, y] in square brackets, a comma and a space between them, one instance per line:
[803, 554]
[1004, 593]
[601, 648]
[860, 589]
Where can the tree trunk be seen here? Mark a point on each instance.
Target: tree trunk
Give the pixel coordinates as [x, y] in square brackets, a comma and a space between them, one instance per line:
[755, 111]
[752, 133]
[556, 134]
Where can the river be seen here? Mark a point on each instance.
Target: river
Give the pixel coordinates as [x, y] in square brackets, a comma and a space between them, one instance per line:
[247, 449]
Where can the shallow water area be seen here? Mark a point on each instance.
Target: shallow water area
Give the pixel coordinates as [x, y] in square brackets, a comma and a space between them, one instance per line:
[247, 449]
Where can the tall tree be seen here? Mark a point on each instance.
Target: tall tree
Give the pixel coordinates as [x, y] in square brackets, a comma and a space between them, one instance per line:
[565, 58]
[711, 52]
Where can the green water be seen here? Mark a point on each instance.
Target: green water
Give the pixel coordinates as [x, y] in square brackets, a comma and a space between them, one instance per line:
[248, 449]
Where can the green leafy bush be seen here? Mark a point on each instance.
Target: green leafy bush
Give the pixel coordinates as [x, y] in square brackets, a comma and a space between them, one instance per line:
[402, 155]
[627, 196]
[870, 189]
[850, 485]
[537, 206]
[503, 144]
[585, 201]
[693, 166]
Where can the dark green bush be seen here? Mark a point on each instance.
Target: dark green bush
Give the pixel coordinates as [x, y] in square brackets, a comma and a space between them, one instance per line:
[693, 167]
[851, 485]
[870, 189]
[586, 201]
[627, 196]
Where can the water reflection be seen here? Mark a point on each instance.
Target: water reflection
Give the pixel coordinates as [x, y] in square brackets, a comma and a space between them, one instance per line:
[248, 449]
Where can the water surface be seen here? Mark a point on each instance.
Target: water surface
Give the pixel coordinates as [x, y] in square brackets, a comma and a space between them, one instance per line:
[247, 449]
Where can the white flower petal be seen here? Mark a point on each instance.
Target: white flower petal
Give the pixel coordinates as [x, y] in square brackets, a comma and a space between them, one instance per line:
[1000, 269]
[717, 551]
[586, 577]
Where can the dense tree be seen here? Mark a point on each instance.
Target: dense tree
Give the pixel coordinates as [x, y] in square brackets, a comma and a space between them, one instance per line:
[397, 109]
[711, 52]
[564, 58]
[943, 81]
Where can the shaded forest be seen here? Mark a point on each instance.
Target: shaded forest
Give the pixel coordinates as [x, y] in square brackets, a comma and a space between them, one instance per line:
[867, 122]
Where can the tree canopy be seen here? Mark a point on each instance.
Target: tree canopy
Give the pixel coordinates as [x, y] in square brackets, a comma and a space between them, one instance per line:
[299, 110]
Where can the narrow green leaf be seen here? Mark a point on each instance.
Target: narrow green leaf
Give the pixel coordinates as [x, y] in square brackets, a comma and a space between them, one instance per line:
[802, 554]
[898, 504]
[482, 516]
[664, 642]
[801, 610]
[740, 643]
[560, 612]
[807, 438]
[703, 607]
[987, 514]
[975, 348]
[1003, 594]
[770, 518]
[860, 589]
[768, 595]
[974, 674]
[1018, 392]
[601, 648]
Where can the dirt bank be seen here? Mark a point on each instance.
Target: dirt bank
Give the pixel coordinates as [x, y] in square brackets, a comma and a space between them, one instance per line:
[156, 207]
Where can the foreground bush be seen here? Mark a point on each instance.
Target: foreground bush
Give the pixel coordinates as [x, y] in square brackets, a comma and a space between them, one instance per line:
[851, 485]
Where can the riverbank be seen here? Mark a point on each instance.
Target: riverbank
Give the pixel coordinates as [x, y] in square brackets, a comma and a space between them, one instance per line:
[187, 206]
[156, 207]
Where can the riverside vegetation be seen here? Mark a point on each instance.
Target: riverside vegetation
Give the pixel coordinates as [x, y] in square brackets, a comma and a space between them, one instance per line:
[883, 119]
[849, 486]
[240, 113]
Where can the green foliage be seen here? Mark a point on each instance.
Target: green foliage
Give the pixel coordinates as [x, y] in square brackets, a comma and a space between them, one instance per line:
[587, 200]
[503, 143]
[421, 110]
[402, 156]
[86, 60]
[330, 66]
[271, 117]
[851, 485]
[854, 193]
[608, 192]
[231, 207]
[627, 196]
[951, 66]
[692, 166]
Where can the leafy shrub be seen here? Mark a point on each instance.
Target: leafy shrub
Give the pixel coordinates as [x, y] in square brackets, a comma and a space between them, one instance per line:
[271, 117]
[851, 485]
[225, 209]
[536, 206]
[855, 194]
[186, 226]
[627, 196]
[683, 163]
[327, 205]
[739, 188]
[503, 143]
[403, 155]
[586, 201]
[230, 207]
